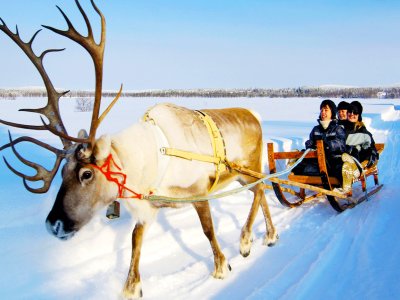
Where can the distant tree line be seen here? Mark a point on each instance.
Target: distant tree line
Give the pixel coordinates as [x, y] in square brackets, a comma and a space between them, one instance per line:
[334, 92]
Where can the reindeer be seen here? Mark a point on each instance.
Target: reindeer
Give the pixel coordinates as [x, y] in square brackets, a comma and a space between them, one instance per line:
[130, 165]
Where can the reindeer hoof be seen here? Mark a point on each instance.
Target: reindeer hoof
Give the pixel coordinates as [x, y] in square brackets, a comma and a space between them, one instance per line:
[133, 292]
[245, 253]
[245, 244]
[222, 271]
[245, 247]
[271, 241]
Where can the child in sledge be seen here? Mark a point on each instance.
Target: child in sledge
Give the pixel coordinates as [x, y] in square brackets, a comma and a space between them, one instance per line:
[359, 145]
[333, 136]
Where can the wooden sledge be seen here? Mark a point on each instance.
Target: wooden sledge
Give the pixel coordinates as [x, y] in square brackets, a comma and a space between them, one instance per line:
[318, 185]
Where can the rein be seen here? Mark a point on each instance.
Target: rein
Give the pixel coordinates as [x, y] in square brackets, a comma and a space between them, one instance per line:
[116, 177]
[113, 177]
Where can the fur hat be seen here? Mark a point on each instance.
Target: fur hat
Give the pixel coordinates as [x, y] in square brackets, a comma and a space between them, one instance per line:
[343, 105]
[331, 105]
[357, 108]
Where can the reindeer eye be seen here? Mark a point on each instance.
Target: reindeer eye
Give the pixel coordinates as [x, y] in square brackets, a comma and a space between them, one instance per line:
[85, 174]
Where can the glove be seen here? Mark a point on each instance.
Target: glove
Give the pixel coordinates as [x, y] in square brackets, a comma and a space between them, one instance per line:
[353, 151]
[309, 145]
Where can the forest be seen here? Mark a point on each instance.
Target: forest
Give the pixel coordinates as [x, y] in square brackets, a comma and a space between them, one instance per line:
[322, 92]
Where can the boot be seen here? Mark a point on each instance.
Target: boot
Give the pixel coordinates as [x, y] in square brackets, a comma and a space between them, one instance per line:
[347, 174]
[348, 158]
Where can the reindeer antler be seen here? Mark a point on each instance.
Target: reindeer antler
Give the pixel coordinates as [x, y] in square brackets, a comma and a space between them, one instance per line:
[95, 50]
[51, 110]
[42, 174]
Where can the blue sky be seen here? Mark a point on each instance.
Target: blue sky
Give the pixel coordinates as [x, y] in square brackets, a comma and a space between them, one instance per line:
[214, 44]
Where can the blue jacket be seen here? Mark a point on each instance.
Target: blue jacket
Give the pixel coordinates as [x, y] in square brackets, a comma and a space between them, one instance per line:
[334, 138]
[334, 142]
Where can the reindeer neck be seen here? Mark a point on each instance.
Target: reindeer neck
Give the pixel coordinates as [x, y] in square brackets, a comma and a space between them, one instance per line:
[136, 149]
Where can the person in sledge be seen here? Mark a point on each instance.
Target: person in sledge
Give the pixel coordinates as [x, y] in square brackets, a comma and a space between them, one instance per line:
[342, 112]
[333, 136]
[359, 145]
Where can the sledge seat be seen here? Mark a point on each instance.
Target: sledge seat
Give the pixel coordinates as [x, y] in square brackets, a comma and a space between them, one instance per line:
[320, 155]
[319, 184]
[313, 180]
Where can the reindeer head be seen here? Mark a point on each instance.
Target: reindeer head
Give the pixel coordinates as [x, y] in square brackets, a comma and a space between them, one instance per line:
[83, 191]
[84, 188]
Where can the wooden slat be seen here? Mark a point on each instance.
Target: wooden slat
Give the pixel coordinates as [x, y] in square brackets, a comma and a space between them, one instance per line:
[379, 147]
[294, 154]
[308, 187]
[311, 154]
[271, 158]
[286, 190]
[294, 193]
[312, 197]
[312, 179]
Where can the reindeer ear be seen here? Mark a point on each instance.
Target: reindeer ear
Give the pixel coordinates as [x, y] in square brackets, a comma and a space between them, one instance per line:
[83, 153]
[102, 148]
[82, 134]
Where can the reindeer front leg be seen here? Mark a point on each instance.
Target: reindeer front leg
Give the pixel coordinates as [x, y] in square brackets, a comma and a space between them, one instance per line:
[246, 238]
[133, 287]
[246, 235]
[271, 235]
[221, 266]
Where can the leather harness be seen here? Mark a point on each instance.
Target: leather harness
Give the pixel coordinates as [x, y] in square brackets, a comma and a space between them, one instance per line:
[217, 142]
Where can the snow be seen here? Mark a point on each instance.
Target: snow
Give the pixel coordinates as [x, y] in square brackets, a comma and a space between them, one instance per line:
[320, 254]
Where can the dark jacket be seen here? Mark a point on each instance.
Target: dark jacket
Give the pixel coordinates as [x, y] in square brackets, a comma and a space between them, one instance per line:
[334, 141]
[342, 123]
[334, 138]
[360, 143]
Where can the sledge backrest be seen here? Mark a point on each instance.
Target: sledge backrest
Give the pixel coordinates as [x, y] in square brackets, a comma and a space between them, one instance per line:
[380, 147]
[320, 155]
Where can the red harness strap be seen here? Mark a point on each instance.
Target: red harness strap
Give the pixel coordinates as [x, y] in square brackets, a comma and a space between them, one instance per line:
[118, 178]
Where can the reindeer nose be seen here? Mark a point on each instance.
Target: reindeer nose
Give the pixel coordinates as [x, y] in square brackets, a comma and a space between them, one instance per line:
[54, 228]
[57, 229]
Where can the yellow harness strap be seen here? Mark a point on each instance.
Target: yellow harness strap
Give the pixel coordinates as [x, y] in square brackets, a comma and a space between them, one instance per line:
[217, 144]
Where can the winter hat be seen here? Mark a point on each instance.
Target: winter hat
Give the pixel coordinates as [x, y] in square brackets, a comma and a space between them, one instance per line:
[357, 108]
[343, 105]
[331, 105]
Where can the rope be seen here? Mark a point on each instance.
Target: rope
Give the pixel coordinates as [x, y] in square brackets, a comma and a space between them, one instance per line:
[226, 193]
[105, 169]
[114, 177]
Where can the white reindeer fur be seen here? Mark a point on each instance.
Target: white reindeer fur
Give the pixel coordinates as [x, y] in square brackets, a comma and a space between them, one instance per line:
[183, 132]
[137, 150]
[134, 150]
[142, 145]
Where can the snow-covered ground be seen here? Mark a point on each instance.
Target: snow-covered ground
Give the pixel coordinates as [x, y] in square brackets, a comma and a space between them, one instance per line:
[320, 254]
